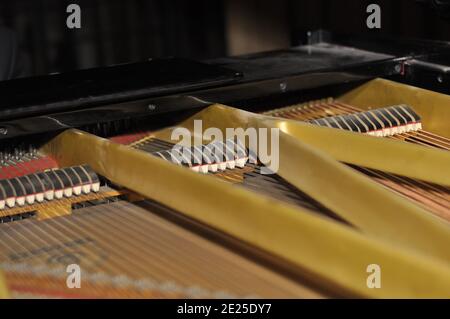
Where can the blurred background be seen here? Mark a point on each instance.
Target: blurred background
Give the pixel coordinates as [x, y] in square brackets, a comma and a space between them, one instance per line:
[120, 31]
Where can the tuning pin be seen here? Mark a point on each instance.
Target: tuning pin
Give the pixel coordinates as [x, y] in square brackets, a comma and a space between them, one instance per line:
[30, 151]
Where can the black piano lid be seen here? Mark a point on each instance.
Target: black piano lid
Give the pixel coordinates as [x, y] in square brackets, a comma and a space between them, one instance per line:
[78, 89]
[428, 61]
[300, 60]
[163, 87]
[341, 58]
[86, 97]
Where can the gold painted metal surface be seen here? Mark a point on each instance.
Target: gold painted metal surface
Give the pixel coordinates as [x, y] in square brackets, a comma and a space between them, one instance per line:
[3, 288]
[415, 264]
[355, 198]
[433, 197]
[388, 155]
[433, 107]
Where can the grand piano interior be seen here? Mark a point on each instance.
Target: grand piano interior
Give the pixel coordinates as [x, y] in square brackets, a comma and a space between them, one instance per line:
[362, 187]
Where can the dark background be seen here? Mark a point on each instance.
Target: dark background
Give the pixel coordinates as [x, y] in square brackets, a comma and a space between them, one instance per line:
[119, 31]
